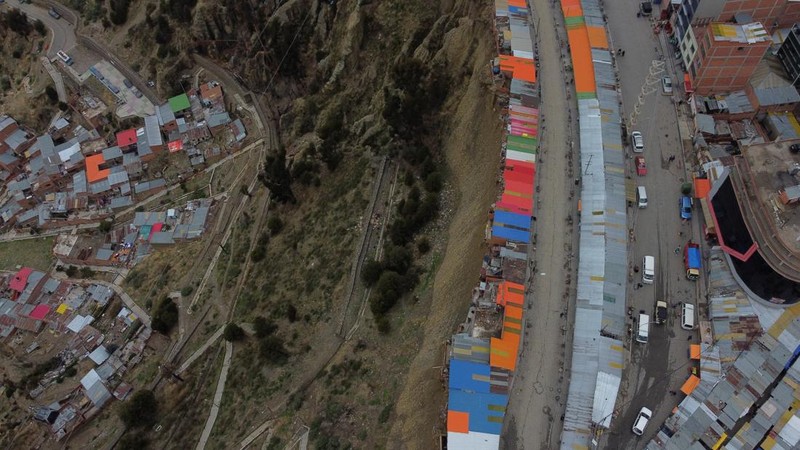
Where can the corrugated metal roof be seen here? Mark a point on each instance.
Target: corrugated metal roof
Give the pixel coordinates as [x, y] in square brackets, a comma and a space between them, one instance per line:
[117, 178]
[152, 131]
[121, 202]
[602, 271]
[112, 153]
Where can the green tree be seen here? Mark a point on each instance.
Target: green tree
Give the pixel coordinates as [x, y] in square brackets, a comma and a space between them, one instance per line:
[105, 226]
[233, 332]
[133, 441]
[263, 327]
[38, 25]
[371, 271]
[51, 93]
[140, 411]
[423, 246]
[277, 178]
[119, 11]
[275, 225]
[165, 316]
[272, 350]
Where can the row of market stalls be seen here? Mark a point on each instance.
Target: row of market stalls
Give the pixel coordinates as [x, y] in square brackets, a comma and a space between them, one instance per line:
[600, 323]
[483, 355]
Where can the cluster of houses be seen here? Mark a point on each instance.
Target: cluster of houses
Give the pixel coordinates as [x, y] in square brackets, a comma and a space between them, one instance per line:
[72, 175]
[41, 313]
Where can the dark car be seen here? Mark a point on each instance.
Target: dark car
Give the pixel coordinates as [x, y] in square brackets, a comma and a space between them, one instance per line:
[794, 148]
[127, 83]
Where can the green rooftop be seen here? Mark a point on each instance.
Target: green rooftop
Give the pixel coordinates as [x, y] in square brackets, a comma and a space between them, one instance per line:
[179, 103]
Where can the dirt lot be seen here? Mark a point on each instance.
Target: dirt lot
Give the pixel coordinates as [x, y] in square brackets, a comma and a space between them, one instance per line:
[35, 253]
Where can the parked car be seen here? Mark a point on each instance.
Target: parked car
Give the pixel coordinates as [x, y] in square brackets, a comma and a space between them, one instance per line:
[686, 207]
[137, 93]
[641, 421]
[794, 148]
[666, 85]
[127, 83]
[637, 141]
[641, 166]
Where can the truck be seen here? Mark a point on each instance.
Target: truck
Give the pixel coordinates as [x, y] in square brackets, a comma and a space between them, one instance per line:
[691, 259]
[661, 312]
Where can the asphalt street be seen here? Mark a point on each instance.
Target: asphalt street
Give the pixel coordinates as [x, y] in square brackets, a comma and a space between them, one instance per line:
[657, 368]
[63, 36]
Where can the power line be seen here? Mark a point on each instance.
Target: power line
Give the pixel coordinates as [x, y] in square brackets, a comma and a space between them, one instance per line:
[286, 53]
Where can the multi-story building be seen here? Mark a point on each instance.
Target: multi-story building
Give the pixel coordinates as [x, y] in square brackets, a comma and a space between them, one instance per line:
[727, 55]
[688, 19]
[789, 55]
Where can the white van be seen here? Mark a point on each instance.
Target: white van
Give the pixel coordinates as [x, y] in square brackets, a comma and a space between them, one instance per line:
[643, 331]
[641, 195]
[687, 316]
[648, 269]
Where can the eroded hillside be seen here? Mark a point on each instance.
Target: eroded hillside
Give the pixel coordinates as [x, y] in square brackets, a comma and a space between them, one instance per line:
[397, 90]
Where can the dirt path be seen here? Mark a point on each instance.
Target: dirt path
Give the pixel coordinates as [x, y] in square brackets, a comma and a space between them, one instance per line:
[473, 157]
[539, 395]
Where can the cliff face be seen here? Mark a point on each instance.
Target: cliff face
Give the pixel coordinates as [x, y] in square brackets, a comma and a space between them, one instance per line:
[355, 78]
[298, 48]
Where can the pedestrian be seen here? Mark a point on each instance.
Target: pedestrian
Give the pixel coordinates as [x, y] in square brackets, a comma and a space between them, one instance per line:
[640, 285]
[623, 53]
[689, 338]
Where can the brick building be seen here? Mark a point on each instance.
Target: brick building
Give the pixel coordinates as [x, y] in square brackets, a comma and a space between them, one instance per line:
[727, 55]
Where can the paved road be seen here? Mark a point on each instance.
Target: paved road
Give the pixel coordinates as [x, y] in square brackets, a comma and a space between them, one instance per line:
[199, 352]
[538, 398]
[212, 415]
[57, 79]
[658, 367]
[62, 35]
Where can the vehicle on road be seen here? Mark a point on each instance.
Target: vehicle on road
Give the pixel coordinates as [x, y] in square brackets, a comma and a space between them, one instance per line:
[691, 259]
[641, 421]
[794, 148]
[687, 316]
[643, 331]
[641, 166]
[54, 14]
[637, 141]
[661, 312]
[648, 269]
[685, 204]
[641, 196]
[666, 85]
[151, 83]
[64, 57]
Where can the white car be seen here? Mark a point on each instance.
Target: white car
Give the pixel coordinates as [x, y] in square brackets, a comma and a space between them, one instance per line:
[641, 421]
[638, 142]
[666, 85]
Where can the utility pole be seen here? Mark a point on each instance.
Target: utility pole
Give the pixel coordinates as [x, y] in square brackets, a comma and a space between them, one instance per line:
[650, 86]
